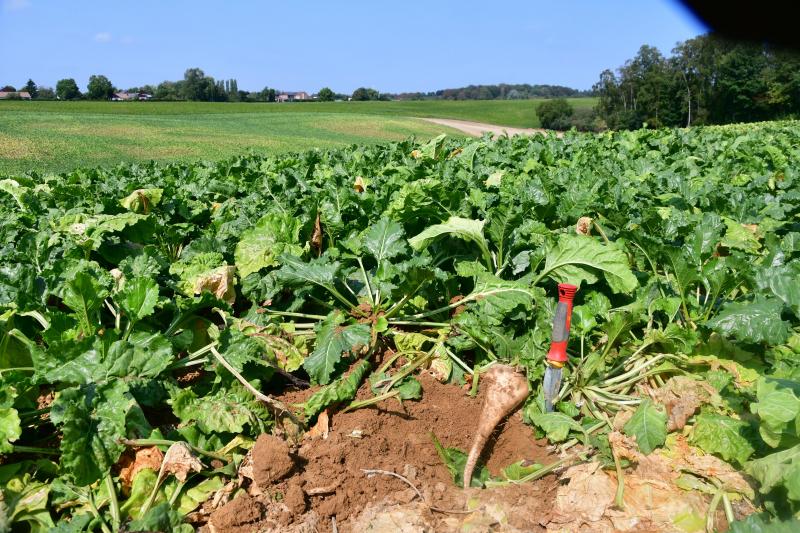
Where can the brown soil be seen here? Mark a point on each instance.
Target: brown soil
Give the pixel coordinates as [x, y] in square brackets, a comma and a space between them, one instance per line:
[271, 460]
[327, 483]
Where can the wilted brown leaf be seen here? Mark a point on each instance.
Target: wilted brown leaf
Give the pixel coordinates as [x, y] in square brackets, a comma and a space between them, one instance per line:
[316, 237]
[179, 461]
[359, 185]
[219, 282]
[584, 226]
[682, 396]
[134, 460]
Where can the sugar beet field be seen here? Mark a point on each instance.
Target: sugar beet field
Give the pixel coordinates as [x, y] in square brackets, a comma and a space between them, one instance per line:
[357, 338]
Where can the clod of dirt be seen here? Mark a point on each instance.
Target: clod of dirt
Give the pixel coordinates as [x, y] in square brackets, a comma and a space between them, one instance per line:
[271, 460]
[241, 511]
[386, 518]
[295, 498]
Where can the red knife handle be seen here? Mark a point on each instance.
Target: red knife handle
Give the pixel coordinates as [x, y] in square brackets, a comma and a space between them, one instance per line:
[557, 355]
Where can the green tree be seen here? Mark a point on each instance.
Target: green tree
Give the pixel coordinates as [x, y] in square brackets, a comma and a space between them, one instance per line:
[197, 86]
[363, 93]
[325, 95]
[555, 114]
[46, 93]
[8, 89]
[31, 88]
[99, 88]
[67, 89]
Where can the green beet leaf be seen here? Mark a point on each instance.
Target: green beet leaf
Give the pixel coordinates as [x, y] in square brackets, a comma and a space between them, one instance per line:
[84, 295]
[162, 517]
[384, 240]
[777, 407]
[92, 420]
[227, 409]
[142, 200]
[23, 500]
[142, 355]
[334, 339]
[463, 228]
[556, 426]
[577, 258]
[756, 321]
[10, 429]
[778, 469]
[723, 436]
[260, 246]
[138, 298]
[455, 460]
[649, 425]
[342, 390]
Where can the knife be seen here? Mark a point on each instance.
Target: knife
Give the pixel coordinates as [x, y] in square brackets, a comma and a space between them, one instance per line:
[557, 356]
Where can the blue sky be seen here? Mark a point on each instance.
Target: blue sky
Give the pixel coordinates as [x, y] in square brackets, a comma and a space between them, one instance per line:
[304, 45]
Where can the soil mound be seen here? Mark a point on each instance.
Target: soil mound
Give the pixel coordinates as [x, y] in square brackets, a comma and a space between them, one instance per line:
[325, 481]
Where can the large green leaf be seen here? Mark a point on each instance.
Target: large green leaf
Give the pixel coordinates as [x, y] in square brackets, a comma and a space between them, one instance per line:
[556, 426]
[334, 339]
[649, 425]
[295, 272]
[756, 321]
[777, 407]
[142, 355]
[228, 409]
[779, 468]
[463, 228]
[142, 200]
[342, 390]
[10, 429]
[384, 240]
[723, 436]
[90, 231]
[577, 258]
[92, 422]
[782, 282]
[274, 234]
[495, 297]
[138, 298]
[84, 295]
[23, 500]
[740, 237]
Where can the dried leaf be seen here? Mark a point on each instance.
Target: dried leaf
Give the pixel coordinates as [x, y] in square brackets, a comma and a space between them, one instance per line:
[584, 226]
[179, 461]
[682, 396]
[219, 282]
[134, 460]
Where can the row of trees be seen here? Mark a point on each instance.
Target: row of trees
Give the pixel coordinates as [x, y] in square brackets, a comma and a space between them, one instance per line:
[503, 91]
[706, 80]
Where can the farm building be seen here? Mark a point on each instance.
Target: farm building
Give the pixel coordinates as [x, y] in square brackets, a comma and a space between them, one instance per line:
[15, 95]
[125, 96]
[292, 97]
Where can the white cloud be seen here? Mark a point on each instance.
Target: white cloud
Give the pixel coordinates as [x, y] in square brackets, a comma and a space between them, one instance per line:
[15, 5]
[103, 37]
[126, 39]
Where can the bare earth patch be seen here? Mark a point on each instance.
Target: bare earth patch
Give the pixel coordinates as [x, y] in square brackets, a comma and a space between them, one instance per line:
[477, 129]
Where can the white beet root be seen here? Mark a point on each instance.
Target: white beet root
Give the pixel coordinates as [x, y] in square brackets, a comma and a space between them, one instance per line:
[506, 390]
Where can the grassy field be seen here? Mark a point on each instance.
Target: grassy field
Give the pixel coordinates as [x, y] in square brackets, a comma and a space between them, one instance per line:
[57, 136]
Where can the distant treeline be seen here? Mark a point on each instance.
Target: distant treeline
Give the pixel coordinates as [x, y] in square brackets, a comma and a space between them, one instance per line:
[503, 91]
[706, 80]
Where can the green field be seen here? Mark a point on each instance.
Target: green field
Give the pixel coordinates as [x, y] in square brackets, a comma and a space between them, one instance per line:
[57, 136]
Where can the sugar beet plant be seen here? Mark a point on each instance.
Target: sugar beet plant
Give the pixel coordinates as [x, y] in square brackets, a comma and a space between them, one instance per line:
[153, 306]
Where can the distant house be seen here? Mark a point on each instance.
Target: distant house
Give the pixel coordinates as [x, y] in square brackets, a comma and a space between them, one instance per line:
[125, 96]
[15, 95]
[292, 97]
